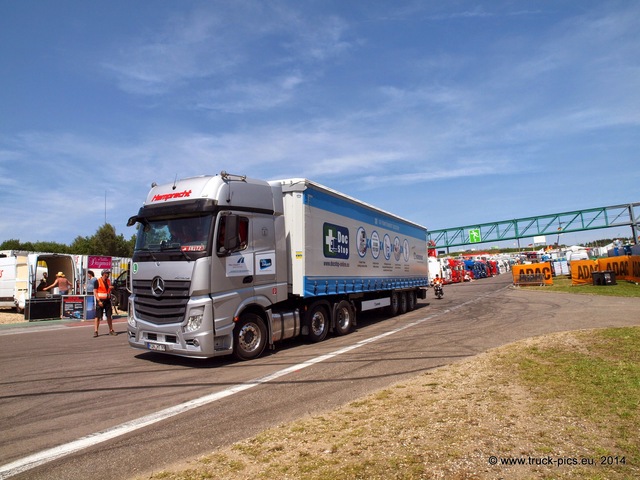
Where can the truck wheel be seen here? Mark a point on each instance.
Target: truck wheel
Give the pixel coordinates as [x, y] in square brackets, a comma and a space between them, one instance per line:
[249, 337]
[344, 318]
[411, 301]
[392, 310]
[402, 299]
[318, 322]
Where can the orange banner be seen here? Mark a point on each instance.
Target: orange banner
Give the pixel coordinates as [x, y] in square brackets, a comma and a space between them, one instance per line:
[634, 265]
[625, 267]
[618, 265]
[531, 274]
[581, 271]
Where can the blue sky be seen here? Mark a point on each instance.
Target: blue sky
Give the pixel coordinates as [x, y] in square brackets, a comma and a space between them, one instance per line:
[445, 113]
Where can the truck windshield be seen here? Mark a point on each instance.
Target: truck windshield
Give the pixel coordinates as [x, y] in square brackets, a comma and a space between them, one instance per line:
[185, 234]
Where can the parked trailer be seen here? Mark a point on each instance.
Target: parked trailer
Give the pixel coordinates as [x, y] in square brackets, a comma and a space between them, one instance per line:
[226, 264]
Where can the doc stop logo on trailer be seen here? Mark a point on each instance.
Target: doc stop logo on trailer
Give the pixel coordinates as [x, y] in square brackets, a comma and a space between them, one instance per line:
[336, 241]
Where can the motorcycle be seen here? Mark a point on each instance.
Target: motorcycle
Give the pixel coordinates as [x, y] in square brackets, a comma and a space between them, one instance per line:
[437, 289]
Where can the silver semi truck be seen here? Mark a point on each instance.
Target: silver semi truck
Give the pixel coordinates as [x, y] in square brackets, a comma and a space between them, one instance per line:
[227, 264]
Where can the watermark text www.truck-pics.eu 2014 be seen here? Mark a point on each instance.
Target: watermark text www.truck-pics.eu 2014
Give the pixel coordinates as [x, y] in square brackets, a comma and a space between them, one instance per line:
[227, 264]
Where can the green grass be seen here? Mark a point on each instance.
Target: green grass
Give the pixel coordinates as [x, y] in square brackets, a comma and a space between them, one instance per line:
[563, 284]
[598, 382]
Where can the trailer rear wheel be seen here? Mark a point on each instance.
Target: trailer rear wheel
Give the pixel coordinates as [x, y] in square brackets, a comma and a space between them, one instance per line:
[318, 322]
[249, 337]
[402, 299]
[393, 308]
[411, 301]
[344, 318]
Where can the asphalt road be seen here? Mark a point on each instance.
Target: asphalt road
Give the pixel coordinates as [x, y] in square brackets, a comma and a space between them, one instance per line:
[64, 393]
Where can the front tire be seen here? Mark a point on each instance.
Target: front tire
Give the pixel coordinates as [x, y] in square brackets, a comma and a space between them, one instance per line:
[249, 337]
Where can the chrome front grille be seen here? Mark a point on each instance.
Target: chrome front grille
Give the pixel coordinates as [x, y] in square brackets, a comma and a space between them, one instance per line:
[169, 307]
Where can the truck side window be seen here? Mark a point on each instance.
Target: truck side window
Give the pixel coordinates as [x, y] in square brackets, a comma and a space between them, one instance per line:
[243, 232]
[233, 233]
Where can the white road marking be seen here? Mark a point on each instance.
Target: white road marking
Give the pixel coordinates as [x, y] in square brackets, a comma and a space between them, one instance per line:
[30, 329]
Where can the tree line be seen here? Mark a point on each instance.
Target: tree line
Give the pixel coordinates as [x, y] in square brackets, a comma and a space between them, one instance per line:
[104, 242]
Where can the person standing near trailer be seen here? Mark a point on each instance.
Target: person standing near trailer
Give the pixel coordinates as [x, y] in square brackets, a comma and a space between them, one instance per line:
[62, 283]
[43, 283]
[92, 282]
[102, 294]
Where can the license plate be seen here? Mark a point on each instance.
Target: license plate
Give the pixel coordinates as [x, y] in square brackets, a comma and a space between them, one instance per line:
[157, 347]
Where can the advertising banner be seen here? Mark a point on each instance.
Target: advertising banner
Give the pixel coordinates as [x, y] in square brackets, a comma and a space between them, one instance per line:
[621, 266]
[73, 306]
[99, 263]
[625, 267]
[581, 271]
[532, 274]
[634, 268]
[90, 302]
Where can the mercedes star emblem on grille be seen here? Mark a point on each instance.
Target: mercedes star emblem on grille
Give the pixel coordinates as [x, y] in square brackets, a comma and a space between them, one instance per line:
[157, 286]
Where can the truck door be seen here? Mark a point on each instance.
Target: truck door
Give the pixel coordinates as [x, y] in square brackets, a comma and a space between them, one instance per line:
[263, 235]
[234, 268]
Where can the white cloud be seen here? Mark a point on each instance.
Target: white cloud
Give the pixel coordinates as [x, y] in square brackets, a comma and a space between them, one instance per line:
[225, 46]
[256, 96]
[158, 65]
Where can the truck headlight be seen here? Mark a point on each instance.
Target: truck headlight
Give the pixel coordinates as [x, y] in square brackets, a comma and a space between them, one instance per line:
[194, 321]
[130, 317]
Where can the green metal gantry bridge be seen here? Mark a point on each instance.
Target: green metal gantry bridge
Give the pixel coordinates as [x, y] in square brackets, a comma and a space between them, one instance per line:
[553, 224]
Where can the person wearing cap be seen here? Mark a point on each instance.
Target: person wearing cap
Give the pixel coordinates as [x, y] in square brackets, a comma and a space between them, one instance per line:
[61, 282]
[102, 294]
